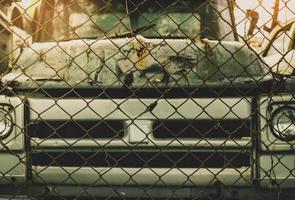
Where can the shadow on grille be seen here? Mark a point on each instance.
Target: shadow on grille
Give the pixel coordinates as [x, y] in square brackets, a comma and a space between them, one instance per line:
[144, 159]
[77, 129]
[202, 129]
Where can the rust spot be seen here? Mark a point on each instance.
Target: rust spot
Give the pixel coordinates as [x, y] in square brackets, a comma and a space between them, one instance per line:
[88, 52]
[208, 50]
[12, 83]
[142, 53]
[41, 56]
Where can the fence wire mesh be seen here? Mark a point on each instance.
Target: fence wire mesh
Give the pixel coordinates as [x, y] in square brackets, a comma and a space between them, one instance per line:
[147, 99]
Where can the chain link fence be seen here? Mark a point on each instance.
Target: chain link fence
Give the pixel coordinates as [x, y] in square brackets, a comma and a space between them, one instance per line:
[147, 99]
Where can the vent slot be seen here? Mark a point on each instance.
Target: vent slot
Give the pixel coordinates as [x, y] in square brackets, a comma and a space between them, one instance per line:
[77, 129]
[202, 129]
[143, 159]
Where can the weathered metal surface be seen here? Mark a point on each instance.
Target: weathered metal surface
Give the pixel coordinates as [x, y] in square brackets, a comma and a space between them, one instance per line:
[276, 167]
[142, 176]
[135, 62]
[126, 109]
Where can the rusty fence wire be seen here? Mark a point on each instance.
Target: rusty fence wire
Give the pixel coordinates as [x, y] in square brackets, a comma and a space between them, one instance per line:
[147, 99]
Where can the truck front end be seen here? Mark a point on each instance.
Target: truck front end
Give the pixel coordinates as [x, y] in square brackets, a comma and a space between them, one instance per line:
[142, 100]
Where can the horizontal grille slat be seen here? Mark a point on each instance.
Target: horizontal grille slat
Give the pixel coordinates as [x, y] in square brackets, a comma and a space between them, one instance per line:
[143, 159]
[127, 109]
[142, 176]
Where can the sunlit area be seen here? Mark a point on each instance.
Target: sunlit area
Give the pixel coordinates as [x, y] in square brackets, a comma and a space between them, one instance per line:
[265, 9]
[29, 6]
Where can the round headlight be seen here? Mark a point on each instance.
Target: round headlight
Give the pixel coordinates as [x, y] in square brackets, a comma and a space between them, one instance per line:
[283, 123]
[5, 123]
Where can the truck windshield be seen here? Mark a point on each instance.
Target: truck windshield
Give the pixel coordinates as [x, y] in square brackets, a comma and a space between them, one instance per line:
[194, 19]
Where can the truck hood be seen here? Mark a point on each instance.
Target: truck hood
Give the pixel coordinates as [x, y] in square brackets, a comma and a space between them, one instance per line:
[135, 62]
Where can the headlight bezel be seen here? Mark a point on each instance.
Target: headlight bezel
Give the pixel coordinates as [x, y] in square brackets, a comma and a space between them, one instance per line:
[6, 110]
[276, 132]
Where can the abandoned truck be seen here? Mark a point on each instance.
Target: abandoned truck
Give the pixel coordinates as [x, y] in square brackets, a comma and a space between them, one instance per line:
[141, 99]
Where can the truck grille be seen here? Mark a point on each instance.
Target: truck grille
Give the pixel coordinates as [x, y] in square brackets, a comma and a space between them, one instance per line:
[103, 141]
